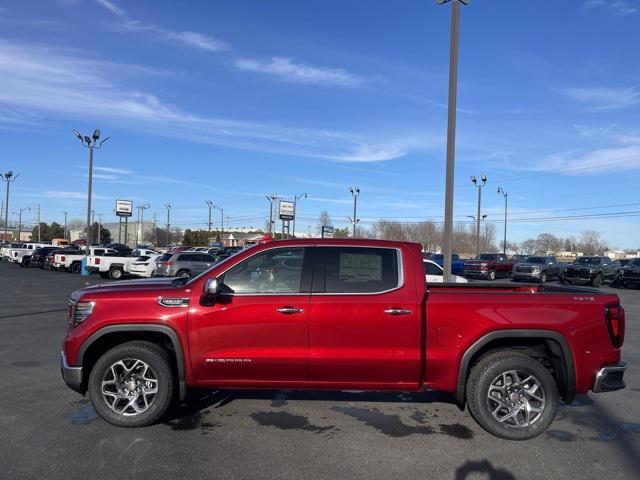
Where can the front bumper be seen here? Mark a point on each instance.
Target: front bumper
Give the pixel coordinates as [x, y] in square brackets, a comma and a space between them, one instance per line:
[610, 378]
[72, 376]
[527, 275]
[477, 273]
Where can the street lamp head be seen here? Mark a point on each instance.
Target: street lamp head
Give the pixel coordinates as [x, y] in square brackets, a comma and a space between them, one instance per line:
[96, 135]
[79, 135]
[87, 140]
[484, 178]
[358, 190]
[484, 216]
[351, 189]
[473, 179]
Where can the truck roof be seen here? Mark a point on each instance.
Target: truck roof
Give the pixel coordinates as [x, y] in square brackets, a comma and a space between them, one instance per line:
[356, 242]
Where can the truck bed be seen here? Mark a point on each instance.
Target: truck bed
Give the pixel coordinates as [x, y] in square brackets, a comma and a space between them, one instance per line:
[508, 288]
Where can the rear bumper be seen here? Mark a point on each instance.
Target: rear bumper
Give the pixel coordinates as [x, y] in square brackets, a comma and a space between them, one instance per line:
[610, 378]
[72, 376]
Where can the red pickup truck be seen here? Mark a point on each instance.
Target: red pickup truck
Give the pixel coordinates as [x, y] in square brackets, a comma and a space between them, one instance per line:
[489, 266]
[342, 314]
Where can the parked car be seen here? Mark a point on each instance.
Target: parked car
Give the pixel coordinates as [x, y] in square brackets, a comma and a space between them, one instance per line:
[341, 314]
[589, 270]
[70, 259]
[183, 264]
[38, 257]
[144, 266]
[518, 258]
[114, 264]
[457, 264]
[537, 268]
[489, 266]
[435, 274]
[629, 275]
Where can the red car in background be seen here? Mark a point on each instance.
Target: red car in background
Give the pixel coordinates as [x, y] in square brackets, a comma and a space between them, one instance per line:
[488, 266]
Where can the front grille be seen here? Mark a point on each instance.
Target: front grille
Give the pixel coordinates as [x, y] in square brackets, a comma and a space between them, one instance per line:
[577, 273]
[524, 269]
[472, 268]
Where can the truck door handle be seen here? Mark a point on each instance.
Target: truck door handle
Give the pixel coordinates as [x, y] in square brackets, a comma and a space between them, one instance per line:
[289, 310]
[397, 311]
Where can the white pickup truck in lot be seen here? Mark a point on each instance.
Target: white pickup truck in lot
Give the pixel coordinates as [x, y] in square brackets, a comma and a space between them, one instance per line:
[70, 260]
[22, 254]
[113, 264]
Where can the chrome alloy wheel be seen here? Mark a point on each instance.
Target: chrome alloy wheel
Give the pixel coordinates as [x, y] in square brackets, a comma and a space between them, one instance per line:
[129, 387]
[516, 399]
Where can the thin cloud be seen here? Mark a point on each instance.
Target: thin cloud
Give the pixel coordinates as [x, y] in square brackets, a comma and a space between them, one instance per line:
[288, 70]
[604, 98]
[69, 195]
[190, 39]
[40, 80]
[619, 7]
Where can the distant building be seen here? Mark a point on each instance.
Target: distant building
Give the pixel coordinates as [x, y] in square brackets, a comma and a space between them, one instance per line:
[615, 254]
[240, 239]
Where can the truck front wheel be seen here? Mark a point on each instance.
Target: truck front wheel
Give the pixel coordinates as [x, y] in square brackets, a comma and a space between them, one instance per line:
[492, 275]
[512, 396]
[115, 273]
[131, 385]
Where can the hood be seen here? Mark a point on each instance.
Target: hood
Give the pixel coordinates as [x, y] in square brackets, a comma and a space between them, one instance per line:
[127, 286]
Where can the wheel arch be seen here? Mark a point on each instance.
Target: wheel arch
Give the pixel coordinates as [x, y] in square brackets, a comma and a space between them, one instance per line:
[112, 335]
[555, 342]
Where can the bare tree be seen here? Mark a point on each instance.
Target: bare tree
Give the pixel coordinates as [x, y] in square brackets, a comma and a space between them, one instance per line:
[591, 243]
[548, 243]
[324, 220]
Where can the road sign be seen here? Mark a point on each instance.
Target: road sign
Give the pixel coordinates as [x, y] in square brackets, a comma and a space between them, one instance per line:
[124, 208]
[327, 231]
[287, 211]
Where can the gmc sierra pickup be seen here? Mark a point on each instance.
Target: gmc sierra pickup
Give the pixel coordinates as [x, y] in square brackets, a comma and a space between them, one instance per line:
[342, 314]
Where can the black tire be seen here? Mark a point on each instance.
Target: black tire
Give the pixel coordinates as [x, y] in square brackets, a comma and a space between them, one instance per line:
[157, 359]
[115, 273]
[543, 278]
[489, 370]
[597, 281]
[24, 262]
[75, 267]
[492, 275]
[183, 274]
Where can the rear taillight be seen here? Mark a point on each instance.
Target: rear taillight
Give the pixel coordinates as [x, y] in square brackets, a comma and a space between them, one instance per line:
[168, 264]
[615, 323]
[62, 258]
[96, 261]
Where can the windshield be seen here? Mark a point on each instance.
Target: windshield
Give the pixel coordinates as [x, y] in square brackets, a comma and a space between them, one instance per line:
[588, 261]
[635, 263]
[487, 256]
[536, 260]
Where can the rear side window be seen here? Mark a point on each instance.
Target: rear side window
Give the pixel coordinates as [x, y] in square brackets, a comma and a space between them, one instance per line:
[186, 257]
[431, 269]
[355, 270]
[165, 257]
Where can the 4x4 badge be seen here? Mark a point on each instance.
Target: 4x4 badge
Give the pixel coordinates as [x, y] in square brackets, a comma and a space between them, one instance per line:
[582, 299]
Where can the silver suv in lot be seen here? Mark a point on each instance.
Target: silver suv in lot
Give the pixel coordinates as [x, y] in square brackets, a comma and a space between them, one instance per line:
[183, 264]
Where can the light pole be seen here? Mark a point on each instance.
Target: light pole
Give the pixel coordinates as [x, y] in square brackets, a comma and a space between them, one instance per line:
[451, 134]
[168, 207]
[38, 223]
[140, 229]
[295, 210]
[9, 178]
[90, 143]
[221, 222]
[479, 186]
[210, 205]
[65, 225]
[100, 228]
[20, 220]
[506, 198]
[355, 193]
[271, 198]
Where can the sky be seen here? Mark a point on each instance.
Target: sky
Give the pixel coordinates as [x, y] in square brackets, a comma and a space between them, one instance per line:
[229, 101]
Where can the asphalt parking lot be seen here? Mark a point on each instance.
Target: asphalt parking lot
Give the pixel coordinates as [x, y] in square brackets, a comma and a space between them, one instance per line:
[49, 431]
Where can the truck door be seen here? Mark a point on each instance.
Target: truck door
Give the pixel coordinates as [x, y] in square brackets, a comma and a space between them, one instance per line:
[364, 328]
[256, 332]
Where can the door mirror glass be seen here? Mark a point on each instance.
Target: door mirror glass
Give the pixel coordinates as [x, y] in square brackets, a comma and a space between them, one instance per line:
[211, 286]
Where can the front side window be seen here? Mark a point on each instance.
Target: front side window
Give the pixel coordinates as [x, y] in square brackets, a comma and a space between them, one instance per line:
[432, 269]
[357, 270]
[275, 271]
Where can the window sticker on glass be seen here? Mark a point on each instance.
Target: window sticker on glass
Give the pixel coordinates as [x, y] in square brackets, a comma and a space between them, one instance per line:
[357, 267]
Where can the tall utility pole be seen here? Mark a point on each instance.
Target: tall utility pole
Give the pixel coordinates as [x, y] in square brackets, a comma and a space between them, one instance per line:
[140, 229]
[90, 143]
[65, 225]
[221, 222]
[38, 223]
[295, 209]
[271, 199]
[9, 178]
[100, 228]
[355, 193]
[155, 230]
[479, 186]
[506, 198]
[20, 220]
[451, 134]
[210, 206]
[168, 207]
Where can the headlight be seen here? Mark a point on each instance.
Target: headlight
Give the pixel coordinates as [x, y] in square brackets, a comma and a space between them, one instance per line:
[591, 270]
[79, 312]
[536, 268]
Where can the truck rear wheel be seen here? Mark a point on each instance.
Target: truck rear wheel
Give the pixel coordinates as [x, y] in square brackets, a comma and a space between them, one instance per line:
[492, 275]
[75, 267]
[131, 385]
[597, 281]
[115, 273]
[512, 396]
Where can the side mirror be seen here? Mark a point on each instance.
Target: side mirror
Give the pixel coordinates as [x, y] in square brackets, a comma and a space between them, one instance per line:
[211, 287]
